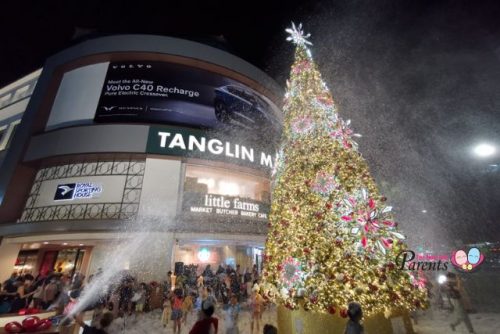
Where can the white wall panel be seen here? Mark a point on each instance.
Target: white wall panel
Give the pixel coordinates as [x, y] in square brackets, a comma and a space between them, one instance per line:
[78, 95]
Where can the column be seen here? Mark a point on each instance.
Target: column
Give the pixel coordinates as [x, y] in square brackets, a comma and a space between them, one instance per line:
[8, 256]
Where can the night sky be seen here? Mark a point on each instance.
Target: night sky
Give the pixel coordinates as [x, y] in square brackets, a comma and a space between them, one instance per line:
[419, 79]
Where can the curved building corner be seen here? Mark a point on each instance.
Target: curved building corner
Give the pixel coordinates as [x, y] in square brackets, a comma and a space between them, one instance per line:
[122, 130]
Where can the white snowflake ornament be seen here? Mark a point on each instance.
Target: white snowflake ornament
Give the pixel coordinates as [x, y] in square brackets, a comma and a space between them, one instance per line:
[297, 35]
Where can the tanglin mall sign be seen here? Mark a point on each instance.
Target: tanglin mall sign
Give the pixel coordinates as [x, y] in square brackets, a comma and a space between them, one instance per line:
[200, 144]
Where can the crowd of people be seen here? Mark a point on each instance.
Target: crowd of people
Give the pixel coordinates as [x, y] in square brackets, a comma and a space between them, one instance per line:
[179, 297]
[44, 292]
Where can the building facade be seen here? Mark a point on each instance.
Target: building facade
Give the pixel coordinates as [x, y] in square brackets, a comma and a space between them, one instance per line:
[160, 147]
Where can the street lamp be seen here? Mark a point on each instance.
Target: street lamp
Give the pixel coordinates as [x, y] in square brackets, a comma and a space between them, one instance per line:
[484, 150]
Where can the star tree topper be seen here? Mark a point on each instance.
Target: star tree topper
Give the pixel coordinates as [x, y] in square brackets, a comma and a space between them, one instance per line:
[297, 35]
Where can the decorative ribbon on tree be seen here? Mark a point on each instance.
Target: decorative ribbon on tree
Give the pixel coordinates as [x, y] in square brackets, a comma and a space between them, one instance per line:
[332, 238]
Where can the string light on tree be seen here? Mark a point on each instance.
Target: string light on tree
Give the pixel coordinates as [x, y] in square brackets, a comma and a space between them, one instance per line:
[332, 238]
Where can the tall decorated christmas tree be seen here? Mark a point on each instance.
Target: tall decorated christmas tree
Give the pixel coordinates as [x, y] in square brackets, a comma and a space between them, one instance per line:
[332, 238]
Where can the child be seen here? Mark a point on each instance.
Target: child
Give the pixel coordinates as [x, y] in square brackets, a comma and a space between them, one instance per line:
[233, 312]
[73, 300]
[166, 311]
[187, 307]
[355, 314]
[176, 315]
[140, 298]
[257, 304]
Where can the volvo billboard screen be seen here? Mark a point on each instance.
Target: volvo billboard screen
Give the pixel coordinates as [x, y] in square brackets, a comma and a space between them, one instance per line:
[160, 92]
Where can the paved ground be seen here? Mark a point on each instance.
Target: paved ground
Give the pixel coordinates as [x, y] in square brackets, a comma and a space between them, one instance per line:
[150, 323]
[438, 322]
[430, 322]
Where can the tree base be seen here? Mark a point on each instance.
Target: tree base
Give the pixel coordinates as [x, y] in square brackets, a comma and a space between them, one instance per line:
[304, 322]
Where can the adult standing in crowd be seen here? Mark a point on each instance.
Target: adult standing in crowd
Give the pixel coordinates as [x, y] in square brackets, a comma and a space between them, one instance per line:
[459, 313]
[207, 324]
[22, 298]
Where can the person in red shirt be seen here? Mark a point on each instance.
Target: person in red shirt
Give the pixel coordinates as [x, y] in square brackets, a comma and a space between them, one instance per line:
[207, 324]
[176, 315]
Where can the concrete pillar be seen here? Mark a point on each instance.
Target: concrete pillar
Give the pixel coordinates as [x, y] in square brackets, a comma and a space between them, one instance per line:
[8, 256]
[160, 192]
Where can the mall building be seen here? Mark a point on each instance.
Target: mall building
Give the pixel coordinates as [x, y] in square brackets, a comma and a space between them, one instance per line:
[120, 130]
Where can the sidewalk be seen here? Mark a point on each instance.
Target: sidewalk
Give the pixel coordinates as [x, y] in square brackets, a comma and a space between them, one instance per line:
[430, 322]
[438, 322]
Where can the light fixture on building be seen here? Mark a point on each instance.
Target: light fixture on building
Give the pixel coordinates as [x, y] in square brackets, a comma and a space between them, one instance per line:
[65, 243]
[203, 254]
[81, 245]
[424, 211]
[45, 242]
[441, 279]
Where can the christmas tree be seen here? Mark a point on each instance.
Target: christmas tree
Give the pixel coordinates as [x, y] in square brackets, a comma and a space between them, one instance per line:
[332, 238]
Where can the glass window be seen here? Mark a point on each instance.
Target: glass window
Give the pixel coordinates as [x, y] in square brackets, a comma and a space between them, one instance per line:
[218, 181]
[26, 262]
[69, 260]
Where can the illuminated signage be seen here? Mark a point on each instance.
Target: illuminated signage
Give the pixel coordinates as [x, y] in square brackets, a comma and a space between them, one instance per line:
[201, 144]
[203, 254]
[166, 93]
[72, 191]
[212, 204]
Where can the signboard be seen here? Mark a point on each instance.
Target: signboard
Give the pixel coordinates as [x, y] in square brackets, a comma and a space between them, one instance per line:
[160, 92]
[71, 191]
[205, 145]
[211, 204]
[80, 189]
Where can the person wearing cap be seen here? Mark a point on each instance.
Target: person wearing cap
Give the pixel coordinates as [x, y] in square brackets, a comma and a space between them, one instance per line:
[206, 324]
[355, 314]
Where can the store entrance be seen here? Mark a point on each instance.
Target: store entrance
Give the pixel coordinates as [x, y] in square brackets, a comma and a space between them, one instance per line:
[219, 266]
[52, 257]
